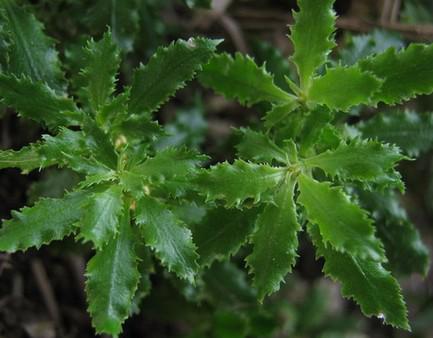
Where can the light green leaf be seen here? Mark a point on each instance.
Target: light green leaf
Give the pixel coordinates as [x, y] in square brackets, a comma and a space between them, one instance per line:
[222, 232]
[410, 131]
[312, 37]
[48, 220]
[406, 73]
[365, 161]
[167, 71]
[366, 281]
[30, 52]
[240, 78]
[237, 182]
[344, 87]
[259, 147]
[275, 242]
[168, 237]
[101, 215]
[99, 74]
[27, 158]
[343, 225]
[37, 101]
[112, 280]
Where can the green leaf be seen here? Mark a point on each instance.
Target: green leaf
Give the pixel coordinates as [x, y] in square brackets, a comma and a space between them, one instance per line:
[240, 78]
[343, 225]
[48, 220]
[69, 149]
[404, 248]
[27, 158]
[410, 131]
[366, 281]
[360, 46]
[227, 286]
[222, 232]
[259, 147]
[275, 241]
[365, 161]
[99, 143]
[167, 71]
[112, 280]
[313, 127]
[278, 114]
[30, 52]
[101, 64]
[237, 182]
[38, 102]
[101, 215]
[168, 237]
[161, 169]
[328, 89]
[312, 37]
[136, 129]
[121, 16]
[406, 74]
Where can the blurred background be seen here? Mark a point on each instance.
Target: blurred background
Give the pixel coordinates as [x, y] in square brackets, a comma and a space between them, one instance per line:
[41, 292]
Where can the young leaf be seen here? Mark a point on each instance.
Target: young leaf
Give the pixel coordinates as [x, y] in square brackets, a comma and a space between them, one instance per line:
[359, 160]
[259, 147]
[279, 113]
[37, 101]
[99, 144]
[406, 74]
[30, 52]
[313, 128]
[99, 75]
[112, 279]
[240, 78]
[168, 237]
[237, 182]
[68, 148]
[312, 37]
[275, 241]
[329, 88]
[160, 168]
[343, 225]
[48, 220]
[167, 71]
[101, 215]
[364, 280]
[222, 232]
[410, 131]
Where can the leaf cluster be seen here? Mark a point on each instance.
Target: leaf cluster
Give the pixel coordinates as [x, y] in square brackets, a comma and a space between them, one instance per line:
[137, 201]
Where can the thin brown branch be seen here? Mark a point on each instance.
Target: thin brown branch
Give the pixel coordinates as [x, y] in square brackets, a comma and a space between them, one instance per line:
[250, 19]
[386, 11]
[395, 12]
[46, 290]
